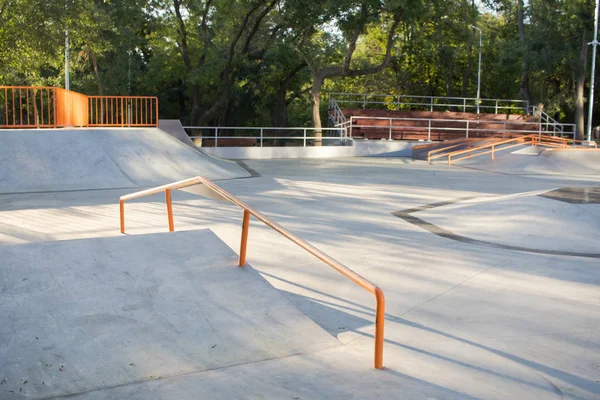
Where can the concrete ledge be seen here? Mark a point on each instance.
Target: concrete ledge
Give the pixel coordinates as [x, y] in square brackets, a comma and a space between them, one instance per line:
[384, 148]
[260, 153]
[357, 148]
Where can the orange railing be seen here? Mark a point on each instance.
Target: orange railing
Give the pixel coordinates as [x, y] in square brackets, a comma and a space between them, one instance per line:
[123, 111]
[49, 107]
[27, 107]
[210, 189]
[492, 148]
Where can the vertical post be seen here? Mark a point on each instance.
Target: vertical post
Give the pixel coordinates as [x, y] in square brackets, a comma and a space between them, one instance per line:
[216, 136]
[467, 136]
[244, 240]
[169, 209]
[493, 151]
[429, 130]
[390, 133]
[398, 103]
[304, 141]
[504, 130]
[261, 137]
[379, 324]
[351, 127]
[496, 106]
[122, 212]
[464, 104]
[67, 79]
[431, 104]
[479, 67]
[593, 73]
[365, 102]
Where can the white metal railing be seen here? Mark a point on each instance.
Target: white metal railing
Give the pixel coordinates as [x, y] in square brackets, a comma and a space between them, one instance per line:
[430, 103]
[564, 129]
[335, 113]
[221, 132]
[470, 127]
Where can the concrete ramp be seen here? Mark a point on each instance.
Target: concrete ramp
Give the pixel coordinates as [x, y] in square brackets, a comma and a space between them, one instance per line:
[81, 159]
[538, 161]
[84, 315]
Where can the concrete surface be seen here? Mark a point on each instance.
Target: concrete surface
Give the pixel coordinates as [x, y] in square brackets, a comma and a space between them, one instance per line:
[174, 128]
[353, 148]
[78, 159]
[83, 315]
[463, 321]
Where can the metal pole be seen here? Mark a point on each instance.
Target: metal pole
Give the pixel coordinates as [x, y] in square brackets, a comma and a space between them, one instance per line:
[244, 239]
[593, 73]
[479, 68]
[261, 137]
[67, 79]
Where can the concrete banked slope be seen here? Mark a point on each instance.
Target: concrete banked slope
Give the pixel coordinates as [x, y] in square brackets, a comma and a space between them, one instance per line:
[84, 159]
[83, 315]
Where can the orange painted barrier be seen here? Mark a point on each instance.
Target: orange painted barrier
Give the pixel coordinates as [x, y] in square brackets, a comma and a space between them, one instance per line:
[49, 107]
[27, 107]
[123, 111]
[218, 192]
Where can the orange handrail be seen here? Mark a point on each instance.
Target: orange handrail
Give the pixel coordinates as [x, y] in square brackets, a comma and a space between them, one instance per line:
[50, 107]
[248, 211]
[485, 146]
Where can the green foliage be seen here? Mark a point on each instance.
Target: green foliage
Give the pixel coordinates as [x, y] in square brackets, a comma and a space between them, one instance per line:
[247, 62]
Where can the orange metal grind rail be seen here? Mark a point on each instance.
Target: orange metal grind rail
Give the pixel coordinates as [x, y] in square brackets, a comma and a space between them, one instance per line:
[248, 211]
[491, 148]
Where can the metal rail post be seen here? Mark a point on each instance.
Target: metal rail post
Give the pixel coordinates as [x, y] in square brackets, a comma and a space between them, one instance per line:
[216, 136]
[244, 240]
[390, 133]
[467, 129]
[304, 137]
[261, 137]
[122, 210]
[429, 130]
[169, 209]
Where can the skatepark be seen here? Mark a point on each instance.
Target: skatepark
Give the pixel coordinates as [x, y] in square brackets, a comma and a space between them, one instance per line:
[489, 269]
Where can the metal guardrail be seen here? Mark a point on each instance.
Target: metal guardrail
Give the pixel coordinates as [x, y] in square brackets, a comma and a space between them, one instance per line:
[563, 129]
[214, 190]
[123, 111]
[50, 107]
[263, 134]
[336, 115]
[429, 103]
[428, 125]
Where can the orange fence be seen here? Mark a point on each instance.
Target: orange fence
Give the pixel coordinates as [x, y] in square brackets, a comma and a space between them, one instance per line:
[27, 107]
[123, 111]
[210, 189]
[48, 107]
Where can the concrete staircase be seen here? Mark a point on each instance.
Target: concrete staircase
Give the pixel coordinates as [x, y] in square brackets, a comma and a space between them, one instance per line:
[436, 125]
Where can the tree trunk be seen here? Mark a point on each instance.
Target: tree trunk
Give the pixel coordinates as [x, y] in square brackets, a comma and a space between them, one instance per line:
[524, 82]
[315, 98]
[579, 88]
[279, 108]
[96, 71]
